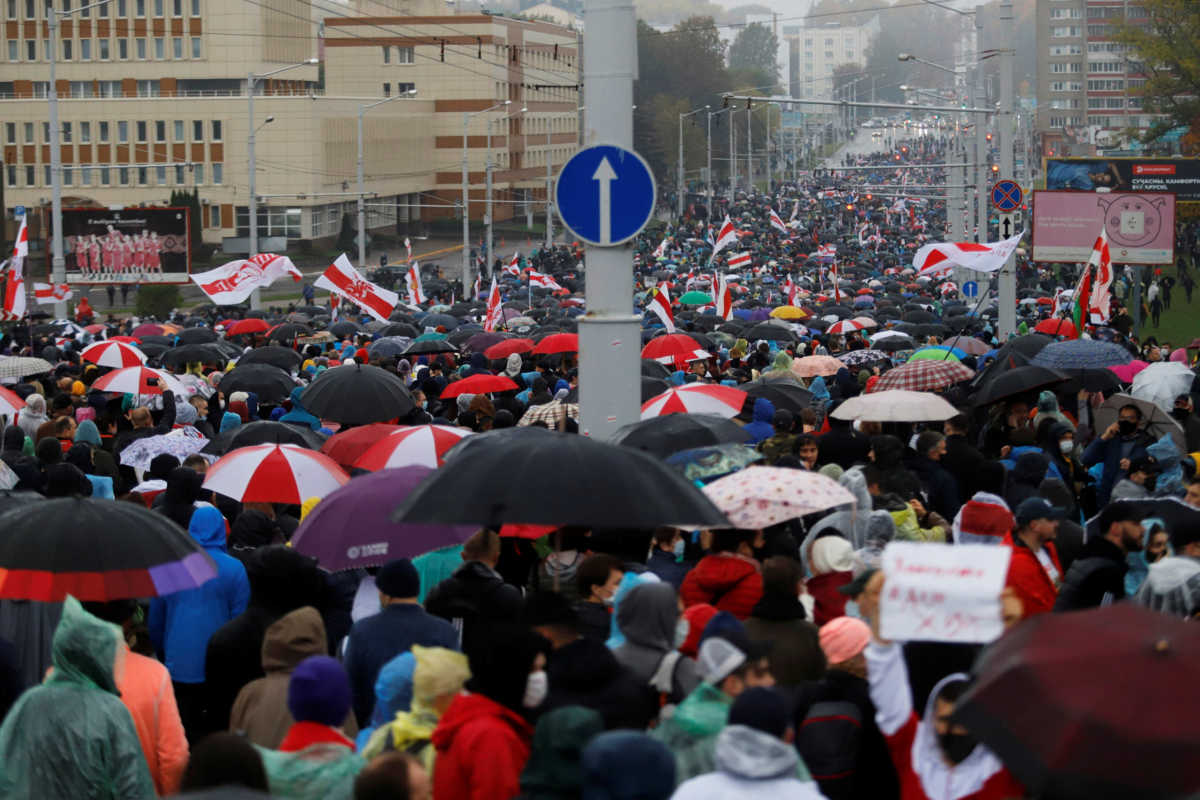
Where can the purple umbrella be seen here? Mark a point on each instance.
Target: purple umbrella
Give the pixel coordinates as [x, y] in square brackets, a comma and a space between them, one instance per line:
[760, 314]
[482, 341]
[352, 527]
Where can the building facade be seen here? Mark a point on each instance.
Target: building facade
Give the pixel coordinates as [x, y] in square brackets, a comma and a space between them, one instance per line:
[815, 50]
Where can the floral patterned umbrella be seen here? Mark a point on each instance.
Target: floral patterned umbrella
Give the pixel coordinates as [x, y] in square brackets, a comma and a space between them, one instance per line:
[141, 452]
[759, 497]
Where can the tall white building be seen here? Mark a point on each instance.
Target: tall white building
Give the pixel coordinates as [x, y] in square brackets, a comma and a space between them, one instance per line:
[820, 48]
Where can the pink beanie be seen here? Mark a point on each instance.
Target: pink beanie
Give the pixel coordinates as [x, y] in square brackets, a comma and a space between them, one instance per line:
[844, 638]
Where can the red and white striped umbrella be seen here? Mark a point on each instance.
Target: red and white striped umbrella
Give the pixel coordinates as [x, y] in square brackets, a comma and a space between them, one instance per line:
[136, 380]
[423, 445]
[696, 398]
[845, 326]
[10, 402]
[113, 354]
[274, 473]
[674, 348]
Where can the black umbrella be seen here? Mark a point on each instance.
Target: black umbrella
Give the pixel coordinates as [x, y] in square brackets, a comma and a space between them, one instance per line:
[651, 387]
[1013, 382]
[555, 478]
[285, 358]
[429, 347]
[357, 394]
[288, 331]
[256, 313]
[166, 341]
[263, 432]
[769, 331]
[662, 436]
[444, 320]
[784, 394]
[193, 353]
[654, 369]
[197, 336]
[153, 349]
[400, 329]
[344, 328]
[268, 381]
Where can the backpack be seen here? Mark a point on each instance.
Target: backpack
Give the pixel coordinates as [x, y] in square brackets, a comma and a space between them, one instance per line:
[663, 682]
[828, 739]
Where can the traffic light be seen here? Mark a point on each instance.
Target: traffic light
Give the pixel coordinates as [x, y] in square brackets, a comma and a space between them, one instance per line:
[995, 168]
[989, 137]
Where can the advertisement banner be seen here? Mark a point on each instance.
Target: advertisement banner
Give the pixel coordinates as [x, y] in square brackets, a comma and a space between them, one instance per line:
[1178, 175]
[1141, 226]
[131, 245]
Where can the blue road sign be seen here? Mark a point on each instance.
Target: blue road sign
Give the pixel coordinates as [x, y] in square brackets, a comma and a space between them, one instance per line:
[1006, 195]
[19, 211]
[605, 194]
[970, 289]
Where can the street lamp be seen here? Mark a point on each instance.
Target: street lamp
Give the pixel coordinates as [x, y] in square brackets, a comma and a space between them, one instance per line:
[251, 80]
[679, 181]
[911, 57]
[362, 217]
[488, 176]
[466, 196]
[708, 147]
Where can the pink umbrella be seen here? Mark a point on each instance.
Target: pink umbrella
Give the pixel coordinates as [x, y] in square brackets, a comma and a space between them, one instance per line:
[812, 366]
[1126, 371]
[1180, 355]
[138, 380]
[423, 445]
[274, 473]
[759, 497]
[148, 329]
[113, 354]
[696, 398]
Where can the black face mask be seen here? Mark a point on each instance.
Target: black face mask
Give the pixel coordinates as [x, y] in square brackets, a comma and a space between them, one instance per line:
[1126, 427]
[956, 746]
[1180, 414]
[1151, 483]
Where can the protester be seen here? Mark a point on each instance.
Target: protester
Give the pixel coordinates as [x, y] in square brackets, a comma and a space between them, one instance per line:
[780, 619]
[596, 583]
[1034, 572]
[1098, 576]
[475, 595]
[728, 577]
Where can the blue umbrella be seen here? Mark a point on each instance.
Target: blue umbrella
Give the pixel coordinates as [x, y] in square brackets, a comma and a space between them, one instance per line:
[389, 346]
[1081, 354]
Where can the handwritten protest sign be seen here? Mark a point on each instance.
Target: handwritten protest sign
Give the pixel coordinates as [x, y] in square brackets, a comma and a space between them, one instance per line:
[944, 593]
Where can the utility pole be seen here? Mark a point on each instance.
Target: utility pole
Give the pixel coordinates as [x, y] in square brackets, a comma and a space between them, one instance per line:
[981, 140]
[732, 158]
[1004, 137]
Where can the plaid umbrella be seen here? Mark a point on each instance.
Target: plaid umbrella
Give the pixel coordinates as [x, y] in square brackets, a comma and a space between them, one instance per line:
[20, 366]
[924, 376]
[549, 414]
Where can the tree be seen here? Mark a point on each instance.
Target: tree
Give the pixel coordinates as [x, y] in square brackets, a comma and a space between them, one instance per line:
[347, 239]
[1165, 44]
[756, 48]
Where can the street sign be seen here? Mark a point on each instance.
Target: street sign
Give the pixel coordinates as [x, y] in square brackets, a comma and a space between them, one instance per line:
[1006, 195]
[605, 194]
[19, 211]
[1007, 225]
[970, 289]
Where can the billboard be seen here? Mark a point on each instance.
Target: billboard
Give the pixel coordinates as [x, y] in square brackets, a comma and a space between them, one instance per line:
[131, 245]
[1178, 175]
[1140, 225]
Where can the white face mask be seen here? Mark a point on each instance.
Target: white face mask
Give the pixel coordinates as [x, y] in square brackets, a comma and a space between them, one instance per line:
[1066, 446]
[537, 685]
[682, 629]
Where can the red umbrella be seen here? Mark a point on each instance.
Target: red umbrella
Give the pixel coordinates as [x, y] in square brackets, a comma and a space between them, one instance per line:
[148, 329]
[95, 328]
[113, 354]
[506, 348]
[347, 447]
[1057, 327]
[677, 348]
[696, 398]
[274, 473]
[479, 384]
[557, 343]
[126, 339]
[423, 445]
[253, 325]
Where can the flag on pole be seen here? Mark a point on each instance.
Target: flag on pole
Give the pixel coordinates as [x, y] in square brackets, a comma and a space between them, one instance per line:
[52, 292]
[513, 267]
[544, 281]
[1101, 260]
[408, 247]
[412, 279]
[937, 257]
[341, 278]
[792, 291]
[776, 222]
[827, 251]
[726, 236]
[795, 210]
[495, 309]
[660, 305]
[724, 298]
[14, 290]
[231, 283]
[333, 307]
[837, 295]
[661, 250]
[739, 260]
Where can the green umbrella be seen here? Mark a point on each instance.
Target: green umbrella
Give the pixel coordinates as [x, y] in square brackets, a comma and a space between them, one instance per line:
[934, 354]
[695, 299]
[430, 337]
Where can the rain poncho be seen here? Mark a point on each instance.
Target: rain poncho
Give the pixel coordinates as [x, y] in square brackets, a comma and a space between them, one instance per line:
[299, 415]
[752, 764]
[1047, 407]
[691, 733]
[553, 770]
[1172, 586]
[393, 694]
[318, 772]
[72, 737]
[1166, 457]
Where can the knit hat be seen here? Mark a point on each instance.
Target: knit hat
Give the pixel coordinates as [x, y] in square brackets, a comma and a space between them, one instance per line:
[162, 464]
[78, 389]
[398, 578]
[843, 638]
[238, 397]
[832, 554]
[512, 367]
[319, 691]
[185, 414]
[984, 519]
[762, 709]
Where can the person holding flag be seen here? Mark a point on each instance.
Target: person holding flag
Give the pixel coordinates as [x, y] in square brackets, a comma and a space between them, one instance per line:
[660, 306]
[724, 298]
[494, 316]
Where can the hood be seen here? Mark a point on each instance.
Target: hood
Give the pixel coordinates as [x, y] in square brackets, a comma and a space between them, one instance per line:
[394, 688]
[585, 665]
[282, 579]
[183, 487]
[469, 707]
[764, 410]
[647, 616]
[940, 780]
[553, 769]
[293, 638]
[1172, 586]
[207, 527]
[754, 755]
[35, 406]
[704, 712]
[86, 432]
[1054, 490]
[984, 519]
[85, 649]
[253, 528]
[1047, 403]
[1030, 468]
[627, 765]
[1165, 453]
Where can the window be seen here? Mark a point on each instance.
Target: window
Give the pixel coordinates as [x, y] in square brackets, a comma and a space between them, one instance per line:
[67, 48]
[218, 173]
[828, 54]
[176, 48]
[405, 55]
[102, 132]
[103, 48]
[158, 8]
[11, 175]
[160, 131]
[195, 8]
[1066, 49]
[147, 88]
[66, 133]
[105, 176]
[30, 175]
[197, 130]
[31, 50]
[122, 10]
[1099, 31]
[141, 130]
[214, 216]
[108, 89]
[80, 89]
[29, 133]
[122, 49]
[177, 7]
[403, 88]
[143, 176]
[46, 49]
[123, 176]
[85, 49]
[139, 46]
[198, 174]
[49, 180]
[122, 132]
[178, 130]
[102, 11]
[30, 9]
[11, 6]
[160, 48]
[1106, 85]
[216, 130]
[160, 175]
[179, 174]
[387, 54]
[1067, 13]
[195, 47]
[85, 133]
[68, 176]
[85, 176]
[10, 133]
[139, 8]
[1064, 31]
[14, 50]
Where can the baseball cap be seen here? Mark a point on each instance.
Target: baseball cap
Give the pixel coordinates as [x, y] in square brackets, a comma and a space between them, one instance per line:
[859, 584]
[1143, 464]
[1032, 508]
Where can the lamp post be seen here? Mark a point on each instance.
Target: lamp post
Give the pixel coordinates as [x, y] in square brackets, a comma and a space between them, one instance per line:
[732, 159]
[362, 216]
[466, 198]
[251, 80]
[488, 174]
[679, 176]
[709, 186]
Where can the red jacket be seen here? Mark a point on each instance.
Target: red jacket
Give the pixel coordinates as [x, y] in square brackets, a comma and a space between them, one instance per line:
[1028, 579]
[727, 581]
[482, 748]
[1000, 785]
[829, 603]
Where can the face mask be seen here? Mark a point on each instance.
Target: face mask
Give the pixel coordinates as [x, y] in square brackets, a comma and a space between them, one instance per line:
[1180, 414]
[608, 601]
[956, 746]
[680, 544]
[536, 687]
[1150, 483]
[682, 629]
[1066, 446]
[1126, 427]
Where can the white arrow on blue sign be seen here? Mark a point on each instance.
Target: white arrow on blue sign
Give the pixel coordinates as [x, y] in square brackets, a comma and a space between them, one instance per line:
[970, 289]
[605, 194]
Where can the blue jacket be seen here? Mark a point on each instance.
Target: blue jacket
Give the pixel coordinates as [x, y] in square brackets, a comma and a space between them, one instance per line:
[299, 415]
[664, 565]
[182, 623]
[761, 428]
[379, 638]
[1109, 452]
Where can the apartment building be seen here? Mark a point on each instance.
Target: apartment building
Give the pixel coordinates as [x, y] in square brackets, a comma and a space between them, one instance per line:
[819, 48]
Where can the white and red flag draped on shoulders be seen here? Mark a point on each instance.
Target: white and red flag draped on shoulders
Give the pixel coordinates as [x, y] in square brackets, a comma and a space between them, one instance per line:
[660, 305]
[412, 279]
[543, 280]
[344, 280]
[52, 292]
[726, 236]
[739, 260]
[14, 288]
[231, 283]
[495, 309]
[776, 222]
[724, 298]
[1101, 262]
[333, 307]
[937, 257]
[513, 267]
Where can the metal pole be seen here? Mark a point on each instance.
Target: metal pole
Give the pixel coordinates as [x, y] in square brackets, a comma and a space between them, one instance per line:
[679, 172]
[980, 99]
[488, 212]
[58, 264]
[708, 195]
[1008, 273]
[609, 335]
[767, 147]
[549, 192]
[466, 207]
[255, 296]
[362, 217]
[732, 157]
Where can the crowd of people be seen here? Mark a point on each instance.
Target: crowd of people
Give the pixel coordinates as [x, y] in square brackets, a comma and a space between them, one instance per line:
[588, 662]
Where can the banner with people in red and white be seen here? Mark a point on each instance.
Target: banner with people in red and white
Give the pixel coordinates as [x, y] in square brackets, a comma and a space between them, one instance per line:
[344, 280]
[233, 282]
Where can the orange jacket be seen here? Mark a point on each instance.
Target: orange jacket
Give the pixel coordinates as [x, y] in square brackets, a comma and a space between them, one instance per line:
[146, 691]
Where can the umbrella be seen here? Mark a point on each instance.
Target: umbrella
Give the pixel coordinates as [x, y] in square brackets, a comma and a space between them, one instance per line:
[269, 382]
[758, 497]
[1057, 327]
[419, 445]
[811, 366]
[709, 463]
[357, 394]
[10, 402]
[1127, 372]
[552, 415]
[695, 299]
[138, 380]
[344, 328]
[556, 479]
[348, 446]
[194, 353]
[862, 358]
[1081, 354]
[937, 353]
[1162, 382]
[352, 526]
[479, 384]
[244, 326]
[923, 376]
[788, 312]
[771, 331]
[285, 358]
[96, 550]
[1068, 738]
[400, 329]
[288, 331]
[845, 326]
[674, 432]
[506, 348]
[148, 329]
[274, 473]
[653, 369]
[783, 394]
[140, 452]
[113, 354]
[674, 348]
[558, 343]
[389, 346]
[896, 405]
[696, 398]
[263, 432]
[969, 345]
[1173, 512]
[429, 347]
[1012, 382]
[22, 366]
[1156, 421]
[196, 336]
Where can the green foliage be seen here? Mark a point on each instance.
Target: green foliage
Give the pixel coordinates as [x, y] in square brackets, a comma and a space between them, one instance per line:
[1167, 43]
[756, 49]
[157, 300]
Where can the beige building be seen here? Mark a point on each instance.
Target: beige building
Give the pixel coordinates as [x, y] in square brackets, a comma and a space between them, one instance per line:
[152, 99]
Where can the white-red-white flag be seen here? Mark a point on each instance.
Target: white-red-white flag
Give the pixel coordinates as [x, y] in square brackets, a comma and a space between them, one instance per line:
[544, 281]
[333, 307]
[233, 282]
[739, 260]
[827, 251]
[660, 305]
[14, 288]
[726, 236]
[408, 248]
[412, 279]
[724, 298]
[478, 287]
[52, 292]
[344, 280]
[938, 257]
[776, 222]
[1101, 261]
[495, 309]
[513, 267]
[661, 250]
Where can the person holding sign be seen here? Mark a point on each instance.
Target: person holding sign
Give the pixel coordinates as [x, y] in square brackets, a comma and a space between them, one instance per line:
[1035, 573]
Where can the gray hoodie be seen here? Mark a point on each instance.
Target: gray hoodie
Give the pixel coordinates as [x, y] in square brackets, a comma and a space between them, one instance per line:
[647, 617]
[752, 764]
